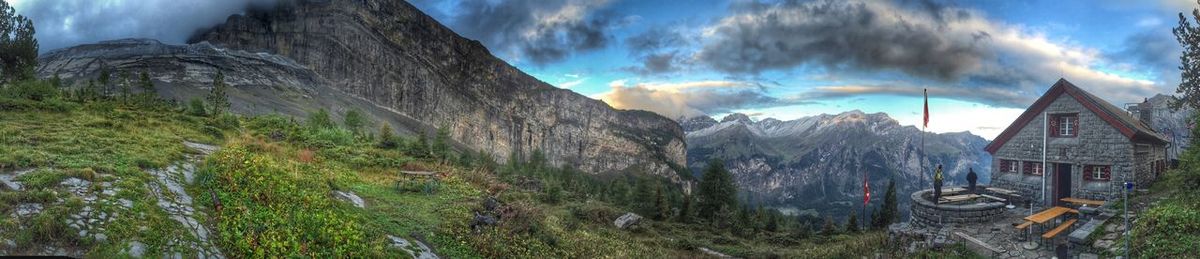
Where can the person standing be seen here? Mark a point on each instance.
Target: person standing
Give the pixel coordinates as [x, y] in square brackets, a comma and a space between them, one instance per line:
[937, 185]
[971, 178]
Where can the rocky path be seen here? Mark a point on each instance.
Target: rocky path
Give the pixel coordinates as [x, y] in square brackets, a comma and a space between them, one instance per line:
[174, 199]
[101, 206]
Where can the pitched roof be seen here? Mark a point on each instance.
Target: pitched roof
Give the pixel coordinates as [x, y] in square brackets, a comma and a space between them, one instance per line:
[1129, 126]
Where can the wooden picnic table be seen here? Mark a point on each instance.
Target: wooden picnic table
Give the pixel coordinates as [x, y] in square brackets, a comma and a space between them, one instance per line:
[1048, 214]
[1083, 201]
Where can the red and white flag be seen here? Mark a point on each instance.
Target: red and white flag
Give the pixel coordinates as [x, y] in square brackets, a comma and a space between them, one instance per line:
[926, 125]
[866, 190]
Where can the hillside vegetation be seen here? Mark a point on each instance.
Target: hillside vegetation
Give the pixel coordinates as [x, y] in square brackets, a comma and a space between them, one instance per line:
[272, 190]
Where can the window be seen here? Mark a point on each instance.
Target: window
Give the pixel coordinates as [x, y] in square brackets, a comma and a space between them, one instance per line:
[1010, 166]
[1098, 172]
[1064, 125]
[1034, 168]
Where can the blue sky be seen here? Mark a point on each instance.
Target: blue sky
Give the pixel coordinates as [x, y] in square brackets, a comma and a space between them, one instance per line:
[982, 61]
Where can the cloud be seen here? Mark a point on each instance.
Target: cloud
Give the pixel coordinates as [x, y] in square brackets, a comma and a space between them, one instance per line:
[659, 50]
[66, 23]
[991, 96]
[573, 83]
[933, 43]
[843, 34]
[688, 99]
[540, 31]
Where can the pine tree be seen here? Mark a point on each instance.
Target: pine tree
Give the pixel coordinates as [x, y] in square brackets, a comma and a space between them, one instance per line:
[218, 103]
[889, 211]
[421, 147]
[662, 209]
[125, 86]
[685, 210]
[1188, 36]
[387, 139]
[105, 79]
[829, 228]
[716, 191]
[852, 224]
[354, 121]
[441, 149]
[147, 87]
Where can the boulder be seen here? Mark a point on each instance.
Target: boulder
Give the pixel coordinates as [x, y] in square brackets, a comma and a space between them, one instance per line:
[350, 197]
[628, 220]
[480, 221]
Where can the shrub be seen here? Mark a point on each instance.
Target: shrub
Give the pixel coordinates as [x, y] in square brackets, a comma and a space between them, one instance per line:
[327, 137]
[226, 121]
[196, 107]
[319, 120]
[36, 90]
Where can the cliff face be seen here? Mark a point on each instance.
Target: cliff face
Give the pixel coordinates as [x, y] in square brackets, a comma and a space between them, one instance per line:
[818, 162]
[391, 54]
[259, 83]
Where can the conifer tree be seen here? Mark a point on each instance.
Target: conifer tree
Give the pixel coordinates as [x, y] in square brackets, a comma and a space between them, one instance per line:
[125, 87]
[441, 149]
[685, 210]
[829, 228]
[147, 86]
[852, 224]
[354, 121]
[18, 46]
[716, 191]
[387, 139]
[662, 209]
[217, 101]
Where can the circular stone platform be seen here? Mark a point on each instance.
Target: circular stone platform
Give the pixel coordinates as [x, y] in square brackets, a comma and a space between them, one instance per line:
[926, 213]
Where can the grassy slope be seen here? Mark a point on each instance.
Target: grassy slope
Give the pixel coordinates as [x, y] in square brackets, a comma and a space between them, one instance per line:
[275, 195]
[99, 142]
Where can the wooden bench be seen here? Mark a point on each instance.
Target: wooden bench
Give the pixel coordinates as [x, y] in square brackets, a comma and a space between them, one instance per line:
[1025, 225]
[958, 198]
[1061, 227]
[1079, 201]
[994, 198]
[418, 173]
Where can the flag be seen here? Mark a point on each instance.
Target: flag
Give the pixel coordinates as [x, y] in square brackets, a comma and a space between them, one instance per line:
[866, 191]
[926, 125]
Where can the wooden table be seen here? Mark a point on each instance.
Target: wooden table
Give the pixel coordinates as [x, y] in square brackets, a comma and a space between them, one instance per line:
[1083, 201]
[1048, 214]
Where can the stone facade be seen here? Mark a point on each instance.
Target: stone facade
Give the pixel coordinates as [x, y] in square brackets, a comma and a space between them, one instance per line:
[1096, 143]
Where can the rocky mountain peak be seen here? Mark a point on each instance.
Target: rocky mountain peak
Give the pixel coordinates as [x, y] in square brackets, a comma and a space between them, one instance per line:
[738, 117]
[696, 123]
[394, 56]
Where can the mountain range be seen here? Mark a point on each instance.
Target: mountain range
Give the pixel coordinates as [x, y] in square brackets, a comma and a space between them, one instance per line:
[818, 163]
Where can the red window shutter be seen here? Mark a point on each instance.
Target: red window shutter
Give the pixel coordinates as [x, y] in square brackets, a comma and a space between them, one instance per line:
[1053, 126]
[1027, 167]
[1108, 172]
[1087, 172]
[1075, 126]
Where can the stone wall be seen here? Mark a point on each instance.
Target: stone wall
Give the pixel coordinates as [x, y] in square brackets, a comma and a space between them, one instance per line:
[926, 213]
[1097, 143]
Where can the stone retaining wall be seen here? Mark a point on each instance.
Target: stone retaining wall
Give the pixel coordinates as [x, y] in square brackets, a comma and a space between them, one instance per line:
[926, 213]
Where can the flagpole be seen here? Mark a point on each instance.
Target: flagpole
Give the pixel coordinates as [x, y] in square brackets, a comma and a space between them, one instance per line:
[1045, 129]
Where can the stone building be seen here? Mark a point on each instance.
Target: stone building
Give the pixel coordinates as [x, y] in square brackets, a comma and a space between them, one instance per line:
[1092, 147]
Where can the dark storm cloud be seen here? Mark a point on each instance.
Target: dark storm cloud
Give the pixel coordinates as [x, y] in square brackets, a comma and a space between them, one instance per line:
[1152, 48]
[1000, 97]
[658, 50]
[541, 31]
[844, 35]
[65, 23]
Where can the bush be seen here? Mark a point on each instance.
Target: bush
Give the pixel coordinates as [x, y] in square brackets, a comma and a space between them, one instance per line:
[36, 90]
[327, 137]
[196, 107]
[226, 121]
[275, 126]
[319, 120]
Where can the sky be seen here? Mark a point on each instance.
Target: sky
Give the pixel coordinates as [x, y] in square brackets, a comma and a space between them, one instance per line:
[983, 62]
